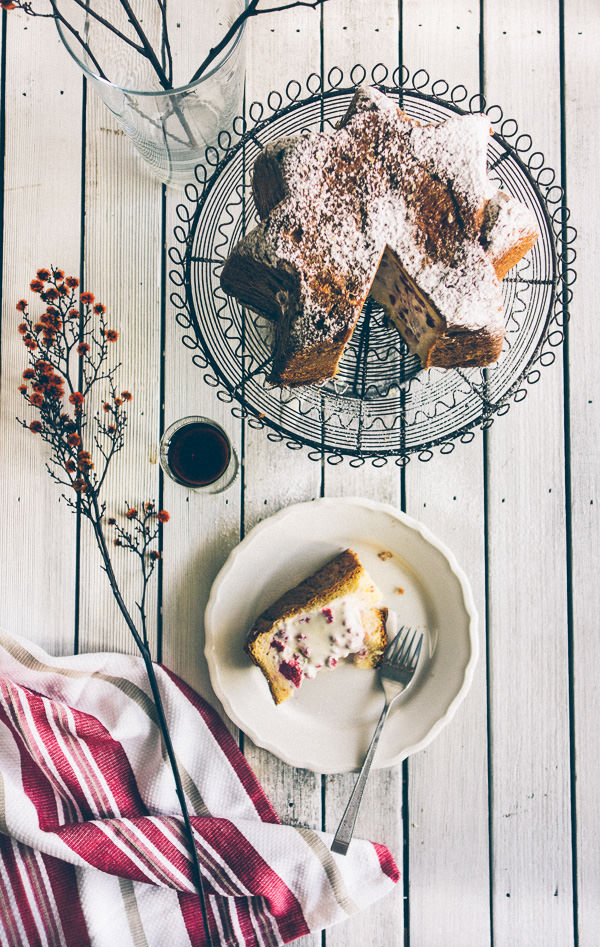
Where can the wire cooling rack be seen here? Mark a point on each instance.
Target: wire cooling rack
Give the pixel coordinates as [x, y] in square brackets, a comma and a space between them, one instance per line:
[381, 405]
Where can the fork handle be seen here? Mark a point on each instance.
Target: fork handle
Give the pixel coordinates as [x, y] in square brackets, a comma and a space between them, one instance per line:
[343, 835]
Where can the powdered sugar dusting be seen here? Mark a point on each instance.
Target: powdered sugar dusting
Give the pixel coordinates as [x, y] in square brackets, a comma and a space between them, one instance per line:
[456, 151]
[383, 185]
[347, 201]
[506, 221]
[450, 289]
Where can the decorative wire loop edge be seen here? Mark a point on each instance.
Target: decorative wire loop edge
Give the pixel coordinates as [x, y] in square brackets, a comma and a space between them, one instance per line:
[543, 177]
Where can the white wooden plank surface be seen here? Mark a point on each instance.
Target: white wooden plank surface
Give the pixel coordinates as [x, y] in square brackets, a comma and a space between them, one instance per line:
[41, 227]
[122, 203]
[529, 737]
[448, 787]
[511, 502]
[356, 35]
[582, 106]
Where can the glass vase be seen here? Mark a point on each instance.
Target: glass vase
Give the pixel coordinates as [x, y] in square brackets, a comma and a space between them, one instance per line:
[137, 66]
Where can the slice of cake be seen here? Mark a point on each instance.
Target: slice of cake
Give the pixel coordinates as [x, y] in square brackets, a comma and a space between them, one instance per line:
[386, 206]
[331, 615]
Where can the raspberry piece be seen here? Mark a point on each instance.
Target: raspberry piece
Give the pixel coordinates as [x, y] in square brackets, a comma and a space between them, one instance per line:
[292, 671]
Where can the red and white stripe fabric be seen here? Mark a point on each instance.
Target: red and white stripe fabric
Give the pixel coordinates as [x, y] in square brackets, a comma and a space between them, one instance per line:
[91, 843]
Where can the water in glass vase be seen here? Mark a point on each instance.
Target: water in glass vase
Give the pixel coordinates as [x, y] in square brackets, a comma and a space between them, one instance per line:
[147, 61]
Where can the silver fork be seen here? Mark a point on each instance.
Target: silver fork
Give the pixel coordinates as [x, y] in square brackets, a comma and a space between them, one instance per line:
[396, 672]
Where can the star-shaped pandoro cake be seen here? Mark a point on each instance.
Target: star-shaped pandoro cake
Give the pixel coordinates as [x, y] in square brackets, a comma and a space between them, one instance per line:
[386, 206]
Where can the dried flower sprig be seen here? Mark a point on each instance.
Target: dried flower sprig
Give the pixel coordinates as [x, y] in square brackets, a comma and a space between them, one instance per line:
[68, 347]
[138, 539]
[137, 39]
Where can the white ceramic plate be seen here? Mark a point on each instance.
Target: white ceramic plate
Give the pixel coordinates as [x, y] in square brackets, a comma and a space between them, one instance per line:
[327, 724]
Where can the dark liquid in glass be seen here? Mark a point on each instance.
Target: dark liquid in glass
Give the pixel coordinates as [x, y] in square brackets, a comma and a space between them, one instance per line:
[198, 454]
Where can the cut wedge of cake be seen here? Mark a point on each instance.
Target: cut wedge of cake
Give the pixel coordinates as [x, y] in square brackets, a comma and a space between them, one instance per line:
[333, 614]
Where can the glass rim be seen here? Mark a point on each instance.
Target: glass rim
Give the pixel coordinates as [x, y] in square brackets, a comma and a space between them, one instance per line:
[187, 420]
[158, 93]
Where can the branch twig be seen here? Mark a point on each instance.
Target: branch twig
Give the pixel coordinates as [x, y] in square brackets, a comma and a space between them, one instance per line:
[163, 65]
[251, 10]
[142, 644]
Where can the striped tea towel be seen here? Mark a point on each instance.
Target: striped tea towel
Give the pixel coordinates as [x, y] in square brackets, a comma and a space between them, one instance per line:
[91, 845]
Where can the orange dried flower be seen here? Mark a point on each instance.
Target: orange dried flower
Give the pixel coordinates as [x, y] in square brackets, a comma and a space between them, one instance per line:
[99, 309]
[87, 298]
[163, 516]
[76, 398]
[131, 513]
[36, 427]
[126, 395]
[22, 305]
[82, 348]
[43, 275]
[72, 281]
[111, 335]
[36, 286]
[155, 554]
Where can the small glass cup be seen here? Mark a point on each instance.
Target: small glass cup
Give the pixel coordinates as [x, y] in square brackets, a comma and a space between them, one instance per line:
[170, 128]
[197, 453]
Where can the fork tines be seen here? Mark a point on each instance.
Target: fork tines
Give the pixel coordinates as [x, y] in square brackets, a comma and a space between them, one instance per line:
[403, 649]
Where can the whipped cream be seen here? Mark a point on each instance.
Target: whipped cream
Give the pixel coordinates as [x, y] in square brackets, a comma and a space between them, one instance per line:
[305, 644]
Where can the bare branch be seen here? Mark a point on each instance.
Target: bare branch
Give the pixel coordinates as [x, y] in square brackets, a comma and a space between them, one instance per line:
[251, 10]
[161, 62]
